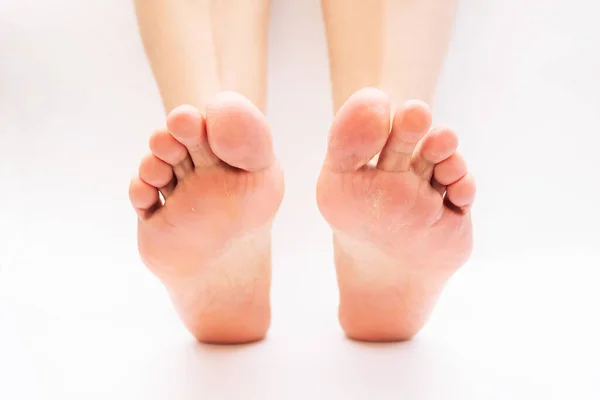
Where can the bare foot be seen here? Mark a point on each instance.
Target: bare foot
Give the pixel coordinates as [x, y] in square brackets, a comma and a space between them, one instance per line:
[402, 227]
[209, 241]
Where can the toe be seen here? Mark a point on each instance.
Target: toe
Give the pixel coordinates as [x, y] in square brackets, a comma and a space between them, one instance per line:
[409, 126]
[157, 173]
[450, 170]
[436, 146]
[144, 197]
[359, 130]
[461, 194]
[188, 126]
[171, 151]
[238, 132]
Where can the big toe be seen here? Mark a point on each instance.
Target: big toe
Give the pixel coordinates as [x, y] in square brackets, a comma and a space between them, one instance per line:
[238, 132]
[359, 130]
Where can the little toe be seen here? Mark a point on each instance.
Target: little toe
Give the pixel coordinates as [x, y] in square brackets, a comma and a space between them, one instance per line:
[409, 126]
[436, 146]
[171, 151]
[239, 133]
[461, 194]
[188, 126]
[359, 130]
[157, 173]
[144, 197]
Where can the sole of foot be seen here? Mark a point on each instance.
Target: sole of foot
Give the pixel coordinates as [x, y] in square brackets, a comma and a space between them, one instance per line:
[402, 225]
[206, 196]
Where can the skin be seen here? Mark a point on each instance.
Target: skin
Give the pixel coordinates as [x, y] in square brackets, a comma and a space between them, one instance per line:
[399, 47]
[209, 242]
[397, 237]
[401, 225]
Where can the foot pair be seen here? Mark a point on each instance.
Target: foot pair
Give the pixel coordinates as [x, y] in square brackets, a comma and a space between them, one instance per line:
[401, 227]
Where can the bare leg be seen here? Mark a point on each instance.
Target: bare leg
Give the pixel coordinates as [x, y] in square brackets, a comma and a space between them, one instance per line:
[209, 241]
[398, 46]
[241, 34]
[402, 227]
[198, 48]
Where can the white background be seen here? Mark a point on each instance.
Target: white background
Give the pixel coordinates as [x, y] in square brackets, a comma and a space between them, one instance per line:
[81, 318]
